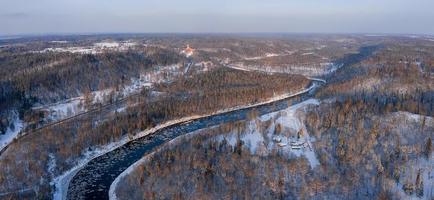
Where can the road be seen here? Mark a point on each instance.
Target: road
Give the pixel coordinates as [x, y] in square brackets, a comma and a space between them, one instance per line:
[101, 110]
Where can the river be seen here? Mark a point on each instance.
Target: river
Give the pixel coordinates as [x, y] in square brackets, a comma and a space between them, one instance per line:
[94, 179]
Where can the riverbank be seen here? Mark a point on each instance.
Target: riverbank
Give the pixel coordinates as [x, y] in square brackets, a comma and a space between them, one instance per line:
[61, 183]
[286, 117]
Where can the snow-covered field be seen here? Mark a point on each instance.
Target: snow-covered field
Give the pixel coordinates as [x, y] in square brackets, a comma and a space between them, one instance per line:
[12, 131]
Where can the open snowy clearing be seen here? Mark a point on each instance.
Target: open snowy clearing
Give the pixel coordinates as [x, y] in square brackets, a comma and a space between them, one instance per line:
[292, 138]
[12, 131]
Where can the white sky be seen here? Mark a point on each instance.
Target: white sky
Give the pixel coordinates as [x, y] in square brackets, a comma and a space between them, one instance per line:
[324, 16]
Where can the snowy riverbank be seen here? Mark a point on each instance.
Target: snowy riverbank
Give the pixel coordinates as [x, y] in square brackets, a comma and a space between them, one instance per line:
[255, 137]
[61, 182]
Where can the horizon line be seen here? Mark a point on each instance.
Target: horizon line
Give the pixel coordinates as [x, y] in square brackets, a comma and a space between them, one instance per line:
[379, 34]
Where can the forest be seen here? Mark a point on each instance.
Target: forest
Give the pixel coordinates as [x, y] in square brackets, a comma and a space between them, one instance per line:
[359, 148]
[373, 135]
[201, 94]
[371, 129]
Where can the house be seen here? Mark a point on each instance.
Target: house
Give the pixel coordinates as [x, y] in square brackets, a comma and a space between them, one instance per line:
[188, 51]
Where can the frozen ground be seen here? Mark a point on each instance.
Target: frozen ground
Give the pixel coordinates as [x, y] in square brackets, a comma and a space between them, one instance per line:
[291, 138]
[409, 171]
[12, 131]
[60, 181]
[70, 107]
[290, 118]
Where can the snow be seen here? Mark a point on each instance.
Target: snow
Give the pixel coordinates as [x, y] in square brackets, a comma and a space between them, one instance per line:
[112, 45]
[51, 163]
[316, 79]
[231, 139]
[61, 182]
[214, 50]
[63, 109]
[59, 41]
[308, 70]
[267, 55]
[410, 169]
[321, 47]
[137, 85]
[205, 65]
[239, 68]
[80, 50]
[12, 131]
[253, 138]
[112, 194]
[409, 174]
[290, 120]
[113, 186]
[308, 53]
[73, 106]
[188, 54]
[333, 67]
[107, 44]
[93, 49]
[414, 118]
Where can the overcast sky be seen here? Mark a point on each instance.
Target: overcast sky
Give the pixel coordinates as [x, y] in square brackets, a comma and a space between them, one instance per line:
[294, 16]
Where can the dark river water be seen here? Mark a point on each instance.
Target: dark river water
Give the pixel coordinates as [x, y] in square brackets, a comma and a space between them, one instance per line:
[93, 181]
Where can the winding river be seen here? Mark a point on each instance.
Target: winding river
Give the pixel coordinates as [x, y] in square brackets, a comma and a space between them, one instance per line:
[94, 179]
